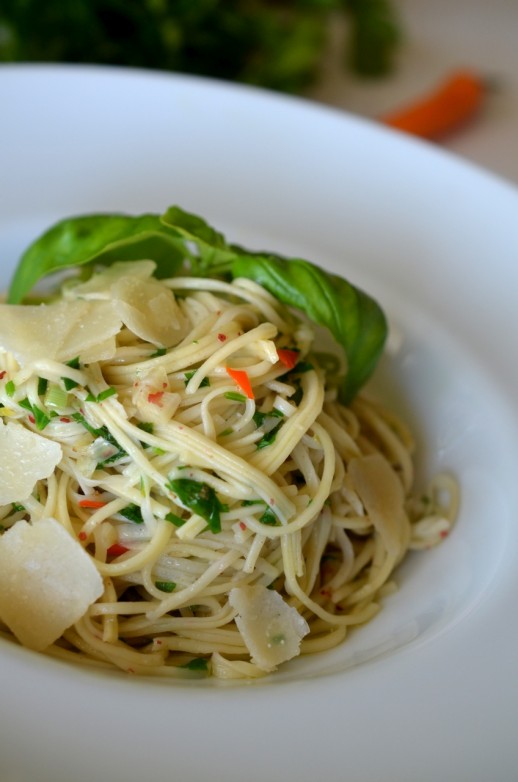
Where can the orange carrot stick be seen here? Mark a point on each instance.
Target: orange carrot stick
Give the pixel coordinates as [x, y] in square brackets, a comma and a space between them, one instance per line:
[451, 105]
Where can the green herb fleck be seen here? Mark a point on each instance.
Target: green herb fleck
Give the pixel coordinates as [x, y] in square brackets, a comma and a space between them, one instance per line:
[174, 519]
[165, 586]
[204, 383]
[10, 388]
[269, 518]
[42, 386]
[133, 513]
[69, 383]
[200, 498]
[158, 352]
[234, 396]
[197, 664]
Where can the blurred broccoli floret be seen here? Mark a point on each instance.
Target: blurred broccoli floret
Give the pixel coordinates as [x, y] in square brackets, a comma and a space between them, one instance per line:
[276, 44]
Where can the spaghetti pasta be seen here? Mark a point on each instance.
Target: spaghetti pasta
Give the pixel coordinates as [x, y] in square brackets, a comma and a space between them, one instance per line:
[236, 518]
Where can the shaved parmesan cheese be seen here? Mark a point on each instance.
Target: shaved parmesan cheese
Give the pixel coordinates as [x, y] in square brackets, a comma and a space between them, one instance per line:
[149, 309]
[26, 457]
[382, 496]
[99, 285]
[271, 629]
[47, 581]
[61, 330]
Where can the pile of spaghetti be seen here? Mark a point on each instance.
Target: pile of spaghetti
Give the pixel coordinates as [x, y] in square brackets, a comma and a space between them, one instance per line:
[183, 448]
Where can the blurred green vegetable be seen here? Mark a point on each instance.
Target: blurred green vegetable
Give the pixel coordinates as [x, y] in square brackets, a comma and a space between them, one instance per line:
[275, 44]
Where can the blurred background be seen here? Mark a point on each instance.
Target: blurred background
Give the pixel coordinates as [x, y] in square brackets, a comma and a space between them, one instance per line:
[371, 57]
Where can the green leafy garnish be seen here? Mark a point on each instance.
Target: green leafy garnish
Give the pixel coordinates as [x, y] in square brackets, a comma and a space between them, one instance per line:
[102, 395]
[174, 519]
[354, 319]
[197, 664]
[10, 388]
[104, 432]
[100, 239]
[133, 513]
[200, 498]
[69, 383]
[204, 383]
[165, 586]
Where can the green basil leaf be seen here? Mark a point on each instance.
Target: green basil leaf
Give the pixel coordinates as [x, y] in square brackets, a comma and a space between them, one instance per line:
[97, 238]
[215, 255]
[200, 498]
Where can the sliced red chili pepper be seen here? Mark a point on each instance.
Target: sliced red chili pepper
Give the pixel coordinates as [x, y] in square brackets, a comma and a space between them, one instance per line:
[288, 357]
[116, 550]
[86, 503]
[240, 377]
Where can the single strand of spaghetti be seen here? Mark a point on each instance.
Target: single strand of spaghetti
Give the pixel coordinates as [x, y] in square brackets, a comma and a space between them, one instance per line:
[109, 623]
[185, 596]
[62, 507]
[150, 551]
[324, 642]
[253, 553]
[52, 370]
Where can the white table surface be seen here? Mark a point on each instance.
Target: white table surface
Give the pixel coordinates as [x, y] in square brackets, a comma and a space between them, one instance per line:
[441, 36]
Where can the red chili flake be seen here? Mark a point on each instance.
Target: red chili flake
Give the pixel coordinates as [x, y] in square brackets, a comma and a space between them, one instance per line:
[116, 550]
[90, 503]
[325, 592]
[155, 398]
[2, 374]
[444, 533]
[82, 535]
[130, 670]
[288, 357]
[242, 525]
[222, 337]
[32, 419]
[64, 419]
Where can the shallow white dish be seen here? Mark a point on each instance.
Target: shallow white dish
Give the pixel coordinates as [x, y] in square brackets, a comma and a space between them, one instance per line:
[428, 690]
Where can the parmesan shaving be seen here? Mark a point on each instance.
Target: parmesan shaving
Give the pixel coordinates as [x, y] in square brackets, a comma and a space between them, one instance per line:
[271, 629]
[61, 330]
[26, 457]
[381, 493]
[47, 581]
